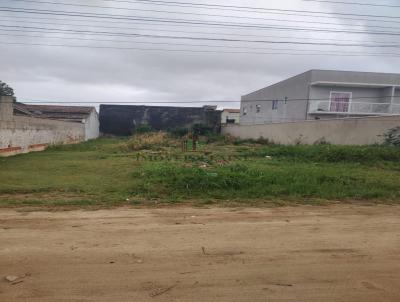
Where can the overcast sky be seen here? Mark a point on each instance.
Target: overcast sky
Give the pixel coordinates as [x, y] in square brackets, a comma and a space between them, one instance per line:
[61, 73]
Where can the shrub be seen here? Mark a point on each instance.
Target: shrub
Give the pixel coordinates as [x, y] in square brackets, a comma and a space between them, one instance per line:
[143, 128]
[252, 141]
[147, 141]
[202, 129]
[198, 129]
[392, 137]
[178, 131]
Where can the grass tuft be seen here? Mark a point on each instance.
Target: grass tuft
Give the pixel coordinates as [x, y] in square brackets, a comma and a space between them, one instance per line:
[154, 141]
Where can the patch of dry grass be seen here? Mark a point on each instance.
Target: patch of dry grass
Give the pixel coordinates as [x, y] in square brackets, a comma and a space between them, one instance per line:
[154, 141]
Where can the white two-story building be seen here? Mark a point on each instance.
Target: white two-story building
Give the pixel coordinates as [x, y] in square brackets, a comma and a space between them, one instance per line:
[323, 94]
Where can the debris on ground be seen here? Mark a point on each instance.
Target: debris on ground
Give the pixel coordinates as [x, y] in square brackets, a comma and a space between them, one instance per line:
[11, 278]
[283, 284]
[15, 279]
[204, 165]
[160, 291]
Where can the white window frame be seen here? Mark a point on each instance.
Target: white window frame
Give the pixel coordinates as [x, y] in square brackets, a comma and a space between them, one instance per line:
[350, 99]
[244, 110]
[258, 108]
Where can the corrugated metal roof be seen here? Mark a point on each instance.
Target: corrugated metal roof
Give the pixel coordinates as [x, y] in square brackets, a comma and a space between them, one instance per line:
[65, 113]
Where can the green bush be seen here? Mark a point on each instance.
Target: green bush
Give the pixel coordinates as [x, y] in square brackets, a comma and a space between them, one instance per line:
[251, 141]
[178, 131]
[143, 128]
[392, 137]
[202, 129]
[198, 129]
[154, 141]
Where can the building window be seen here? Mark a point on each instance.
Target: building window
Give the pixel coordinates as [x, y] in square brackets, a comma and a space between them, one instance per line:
[340, 101]
[258, 108]
[244, 110]
[275, 105]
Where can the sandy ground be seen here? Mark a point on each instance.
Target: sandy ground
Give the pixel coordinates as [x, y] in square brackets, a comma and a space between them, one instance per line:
[335, 253]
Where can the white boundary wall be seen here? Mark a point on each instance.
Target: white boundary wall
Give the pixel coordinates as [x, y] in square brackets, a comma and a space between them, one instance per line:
[19, 134]
[349, 131]
[26, 131]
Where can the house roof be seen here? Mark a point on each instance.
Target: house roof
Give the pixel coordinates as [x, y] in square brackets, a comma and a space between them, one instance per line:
[64, 113]
[232, 110]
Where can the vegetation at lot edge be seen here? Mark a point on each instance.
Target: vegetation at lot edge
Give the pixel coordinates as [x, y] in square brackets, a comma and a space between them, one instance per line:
[151, 167]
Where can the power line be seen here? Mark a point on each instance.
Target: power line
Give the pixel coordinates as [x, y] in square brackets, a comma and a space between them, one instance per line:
[191, 37]
[266, 12]
[328, 52]
[255, 8]
[185, 21]
[201, 14]
[177, 31]
[164, 3]
[311, 53]
[353, 3]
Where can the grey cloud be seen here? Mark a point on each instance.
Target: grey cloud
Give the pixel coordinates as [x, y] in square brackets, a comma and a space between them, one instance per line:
[56, 73]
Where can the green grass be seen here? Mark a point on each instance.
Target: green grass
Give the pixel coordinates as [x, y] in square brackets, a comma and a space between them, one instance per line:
[330, 153]
[260, 179]
[105, 173]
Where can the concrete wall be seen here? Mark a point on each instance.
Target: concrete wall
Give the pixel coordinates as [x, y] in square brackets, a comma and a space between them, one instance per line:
[293, 88]
[350, 131]
[123, 120]
[20, 134]
[92, 126]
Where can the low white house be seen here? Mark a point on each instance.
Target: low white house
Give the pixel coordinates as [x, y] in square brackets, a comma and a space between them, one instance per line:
[230, 116]
[24, 129]
[85, 115]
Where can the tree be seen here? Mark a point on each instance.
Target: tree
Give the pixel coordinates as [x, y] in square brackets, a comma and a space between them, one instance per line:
[6, 90]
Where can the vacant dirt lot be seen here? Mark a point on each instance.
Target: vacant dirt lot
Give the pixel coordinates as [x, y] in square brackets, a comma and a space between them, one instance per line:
[335, 253]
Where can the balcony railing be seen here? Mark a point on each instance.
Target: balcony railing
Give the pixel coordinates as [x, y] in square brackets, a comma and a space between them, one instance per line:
[356, 108]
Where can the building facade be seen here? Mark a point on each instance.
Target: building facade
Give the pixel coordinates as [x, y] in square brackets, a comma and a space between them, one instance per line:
[230, 116]
[323, 94]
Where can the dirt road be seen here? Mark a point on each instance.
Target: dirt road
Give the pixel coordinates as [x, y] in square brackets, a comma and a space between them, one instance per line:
[335, 253]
